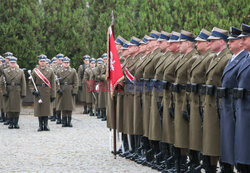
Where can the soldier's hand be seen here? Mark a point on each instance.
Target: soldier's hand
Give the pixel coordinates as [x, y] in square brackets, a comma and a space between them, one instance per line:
[35, 93]
[60, 92]
[80, 87]
[73, 94]
[6, 95]
[52, 99]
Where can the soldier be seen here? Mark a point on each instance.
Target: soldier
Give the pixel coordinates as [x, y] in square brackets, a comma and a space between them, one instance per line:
[181, 111]
[44, 79]
[242, 136]
[7, 56]
[14, 89]
[2, 118]
[90, 79]
[100, 76]
[103, 78]
[53, 66]
[211, 128]
[57, 68]
[98, 85]
[82, 83]
[68, 90]
[227, 114]
[196, 80]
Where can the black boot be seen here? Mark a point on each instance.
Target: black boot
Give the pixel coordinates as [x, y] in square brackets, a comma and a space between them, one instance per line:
[11, 125]
[6, 122]
[45, 125]
[104, 115]
[207, 165]
[59, 120]
[64, 121]
[91, 112]
[40, 120]
[85, 111]
[194, 164]
[69, 122]
[2, 117]
[243, 168]
[53, 118]
[16, 126]
[226, 168]
[98, 114]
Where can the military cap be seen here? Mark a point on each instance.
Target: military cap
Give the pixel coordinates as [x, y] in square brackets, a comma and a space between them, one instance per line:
[100, 60]
[60, 56]
[48, 61]
[119, 40]
[53, 59]
[164, 36]
[42, 57]
[218, 33]
[8, 54]
[1, 58]
[86, 57]
[234, 33]
[13, 59]
[154, 35]
[203, 35]
[245, 30]
[187, 36]
[125, 45]
[66, 59]
[174, 37]
[104, 56]
[135, 41]
[92, 60]
[145, 39]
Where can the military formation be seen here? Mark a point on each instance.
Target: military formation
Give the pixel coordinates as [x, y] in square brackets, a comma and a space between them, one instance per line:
[183, 105]
[55, 87]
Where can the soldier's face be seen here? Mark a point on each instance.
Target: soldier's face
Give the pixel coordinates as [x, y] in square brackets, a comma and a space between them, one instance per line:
[216, 44]
[86, 62]
[1, 62]
[246, 43]
[125, 52]
[92, 65]
[152, 44]
[202, 45]
[133, 49]
[7, 60]
[65, 64]
[118, 47]
[235, 45]
[42, 63]
[104, 60]
[12, 64]
[184, 46]
[164, 45]
[174, 46]
[142, 48]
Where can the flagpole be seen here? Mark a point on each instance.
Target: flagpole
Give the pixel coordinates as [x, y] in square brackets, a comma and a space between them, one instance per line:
[114, 98]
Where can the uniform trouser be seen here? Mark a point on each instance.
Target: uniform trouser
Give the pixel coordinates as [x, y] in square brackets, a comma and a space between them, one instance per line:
[66, 113]
[13, 114]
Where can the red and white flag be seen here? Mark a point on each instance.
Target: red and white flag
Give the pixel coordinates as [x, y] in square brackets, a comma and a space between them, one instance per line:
[114, 69]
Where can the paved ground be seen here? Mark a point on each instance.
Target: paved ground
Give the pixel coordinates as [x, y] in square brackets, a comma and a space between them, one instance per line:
[83, 148]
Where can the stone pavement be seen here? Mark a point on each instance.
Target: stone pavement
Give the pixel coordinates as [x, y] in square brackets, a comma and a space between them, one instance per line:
[83, 148]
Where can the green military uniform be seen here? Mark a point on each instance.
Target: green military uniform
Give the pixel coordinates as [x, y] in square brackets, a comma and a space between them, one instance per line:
[69, 88]
[82, 83]
[181, 125]
[44, 109]
[14, 89]
[197, 76]
[211, 124]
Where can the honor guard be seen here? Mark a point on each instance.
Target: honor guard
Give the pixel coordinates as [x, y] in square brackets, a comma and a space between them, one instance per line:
[13, 89]
[42, 85]
[82, 83]
[2, 118]
[242, 99]
[67, 90]
[90, 80]
[227, 113]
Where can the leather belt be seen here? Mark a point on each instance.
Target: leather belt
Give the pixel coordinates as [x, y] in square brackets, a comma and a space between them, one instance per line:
[13, 84]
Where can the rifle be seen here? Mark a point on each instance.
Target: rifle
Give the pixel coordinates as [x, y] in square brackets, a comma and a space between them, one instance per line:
[34, 84]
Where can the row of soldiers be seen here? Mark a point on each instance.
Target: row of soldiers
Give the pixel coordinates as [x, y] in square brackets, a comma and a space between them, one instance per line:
[55, 99]
[181, 108]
